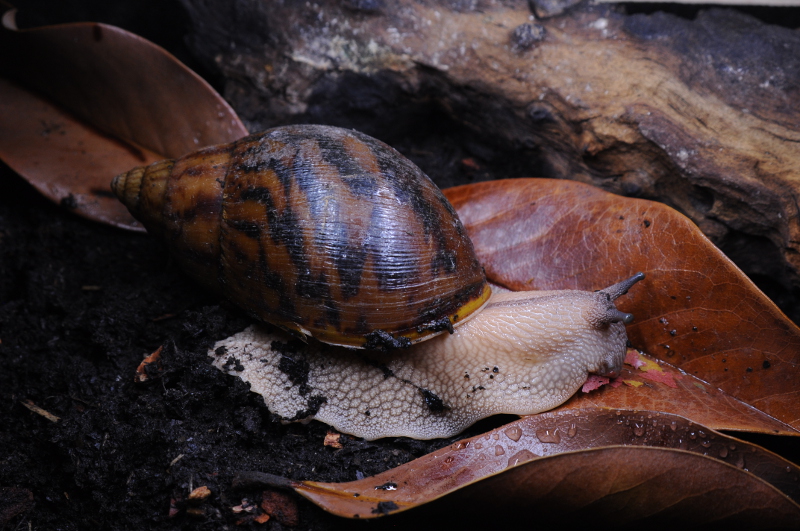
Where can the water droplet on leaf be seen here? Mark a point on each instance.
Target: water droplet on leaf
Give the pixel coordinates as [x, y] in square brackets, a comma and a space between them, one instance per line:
[514, 433]
[548, 436]
[521, 457]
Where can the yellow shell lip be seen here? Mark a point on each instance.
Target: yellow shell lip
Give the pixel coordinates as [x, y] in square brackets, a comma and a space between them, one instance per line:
[467, 311]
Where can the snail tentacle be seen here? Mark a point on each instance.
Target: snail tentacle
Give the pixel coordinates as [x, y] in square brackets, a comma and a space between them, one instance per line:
[621, 288]
[616, 316]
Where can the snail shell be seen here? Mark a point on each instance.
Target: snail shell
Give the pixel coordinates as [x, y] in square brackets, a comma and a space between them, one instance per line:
[322, 231]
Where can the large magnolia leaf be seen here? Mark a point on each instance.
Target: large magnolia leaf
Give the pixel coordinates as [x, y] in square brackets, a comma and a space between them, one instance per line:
[695, 310]
[90, 101]
[616, 465]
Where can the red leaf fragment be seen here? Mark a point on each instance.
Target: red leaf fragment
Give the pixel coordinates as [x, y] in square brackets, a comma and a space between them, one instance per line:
[660, 377]
[173, 508]
[632, 358]
[651, 370]
[594, 382]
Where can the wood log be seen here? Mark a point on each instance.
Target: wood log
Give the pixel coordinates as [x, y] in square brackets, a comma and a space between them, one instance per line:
[699, 114]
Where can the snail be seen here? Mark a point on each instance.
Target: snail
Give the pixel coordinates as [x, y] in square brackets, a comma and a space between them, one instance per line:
[330, 234]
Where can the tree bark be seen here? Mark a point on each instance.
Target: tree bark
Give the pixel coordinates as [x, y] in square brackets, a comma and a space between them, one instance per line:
[698, 114]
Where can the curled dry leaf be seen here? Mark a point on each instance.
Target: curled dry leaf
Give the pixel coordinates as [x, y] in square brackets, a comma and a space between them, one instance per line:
[696, 310]
[89, 101]
[587, 459]
[656, 489]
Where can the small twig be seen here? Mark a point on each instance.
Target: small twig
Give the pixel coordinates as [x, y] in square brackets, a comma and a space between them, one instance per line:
[36, 409]
[172, 463]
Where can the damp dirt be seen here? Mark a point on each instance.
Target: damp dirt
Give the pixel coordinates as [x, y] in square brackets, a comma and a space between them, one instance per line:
[83, 445]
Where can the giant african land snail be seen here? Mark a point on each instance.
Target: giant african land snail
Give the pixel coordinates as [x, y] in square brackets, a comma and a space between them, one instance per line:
[334, 235]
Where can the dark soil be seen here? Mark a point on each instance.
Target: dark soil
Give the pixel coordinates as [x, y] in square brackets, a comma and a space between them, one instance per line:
[80, 305]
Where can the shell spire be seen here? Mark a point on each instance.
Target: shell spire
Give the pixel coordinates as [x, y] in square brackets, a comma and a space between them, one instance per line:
[142, 191]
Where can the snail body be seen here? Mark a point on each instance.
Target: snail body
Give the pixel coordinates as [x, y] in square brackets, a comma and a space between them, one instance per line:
[331, 234]
[524, 353]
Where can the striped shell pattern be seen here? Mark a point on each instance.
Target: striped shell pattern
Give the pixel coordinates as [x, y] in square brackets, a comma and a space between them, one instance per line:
[322, 231]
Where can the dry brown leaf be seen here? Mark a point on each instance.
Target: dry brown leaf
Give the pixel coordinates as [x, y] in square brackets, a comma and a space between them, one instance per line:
[584, 459]
[695, 310]
[68, 161]
[656, 489]
[98, 101]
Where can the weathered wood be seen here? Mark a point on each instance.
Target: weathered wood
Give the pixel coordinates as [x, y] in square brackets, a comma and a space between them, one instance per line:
[701, 115]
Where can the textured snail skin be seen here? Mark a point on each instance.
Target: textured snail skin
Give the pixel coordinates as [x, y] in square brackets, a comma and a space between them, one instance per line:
[323, 231]
[524, 353]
